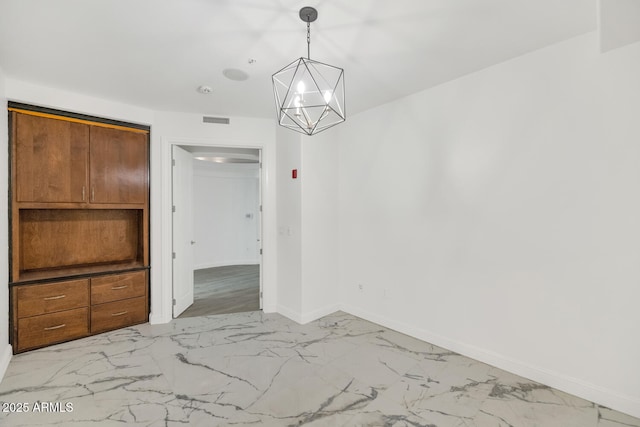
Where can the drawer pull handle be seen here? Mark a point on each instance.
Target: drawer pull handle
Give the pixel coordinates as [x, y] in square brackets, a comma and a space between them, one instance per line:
[119, 314]
[115, 288]
[51, 328]
[56, 297]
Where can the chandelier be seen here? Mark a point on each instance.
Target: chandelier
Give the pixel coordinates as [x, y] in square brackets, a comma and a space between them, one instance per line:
[309, 94]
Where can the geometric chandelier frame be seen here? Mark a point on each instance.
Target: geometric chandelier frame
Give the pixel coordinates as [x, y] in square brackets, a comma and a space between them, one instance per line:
[309, 95]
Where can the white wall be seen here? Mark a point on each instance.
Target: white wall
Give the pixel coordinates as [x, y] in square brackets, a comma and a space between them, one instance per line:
[5, 348]
[289, 198]
[307, 225]
[226, 214]
[619, 22]
[44, 96]
[497, 216]
[319, 212]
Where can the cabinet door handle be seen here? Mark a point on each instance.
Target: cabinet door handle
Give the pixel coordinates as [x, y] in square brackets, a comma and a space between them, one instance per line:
[93, 193]
[119, 314]
[51, 328]
[56, 297]
[115, 288]
[83, 193]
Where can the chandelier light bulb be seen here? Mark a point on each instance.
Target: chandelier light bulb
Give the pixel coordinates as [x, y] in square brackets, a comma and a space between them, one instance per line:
[301, 87]
[327, 96]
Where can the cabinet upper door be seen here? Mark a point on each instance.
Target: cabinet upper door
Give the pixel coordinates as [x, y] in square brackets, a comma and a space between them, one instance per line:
[119, 166]
[51, 160]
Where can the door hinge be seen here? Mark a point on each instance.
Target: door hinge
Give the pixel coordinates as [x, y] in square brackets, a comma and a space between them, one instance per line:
[174, 255]
[174, 301]
[260, 251]
[173, 208]
[260, 208]
[173, 162]
[260, 294]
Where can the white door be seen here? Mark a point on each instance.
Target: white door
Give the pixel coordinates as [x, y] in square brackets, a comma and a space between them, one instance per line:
[183, 238]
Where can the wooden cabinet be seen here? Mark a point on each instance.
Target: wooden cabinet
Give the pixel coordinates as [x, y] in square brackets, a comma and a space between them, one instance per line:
[118, 287]
[118, 159]
[79, 226]
[52, 157]
[50, 313]
[117, 314]
[118, 300]
[61, 161]
[51, 297]
[39, 331]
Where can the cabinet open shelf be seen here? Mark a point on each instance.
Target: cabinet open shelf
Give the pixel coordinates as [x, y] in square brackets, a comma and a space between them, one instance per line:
[69, 242]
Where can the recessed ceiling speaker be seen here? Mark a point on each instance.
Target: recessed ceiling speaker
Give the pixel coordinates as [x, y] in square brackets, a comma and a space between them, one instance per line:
[235, 74]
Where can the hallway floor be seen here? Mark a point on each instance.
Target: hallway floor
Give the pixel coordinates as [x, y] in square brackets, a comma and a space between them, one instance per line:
[263, 369]
[223, 290]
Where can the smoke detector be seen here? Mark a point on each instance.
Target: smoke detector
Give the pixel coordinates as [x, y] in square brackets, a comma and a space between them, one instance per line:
[205, 90]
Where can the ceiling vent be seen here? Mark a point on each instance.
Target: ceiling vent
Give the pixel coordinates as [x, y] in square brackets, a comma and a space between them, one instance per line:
[218, 120]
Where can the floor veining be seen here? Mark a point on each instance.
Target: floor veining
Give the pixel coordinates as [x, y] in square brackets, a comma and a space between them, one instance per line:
[263, 369]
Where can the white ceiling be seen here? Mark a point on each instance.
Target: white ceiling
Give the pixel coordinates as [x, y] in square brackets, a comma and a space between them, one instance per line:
[155, 53]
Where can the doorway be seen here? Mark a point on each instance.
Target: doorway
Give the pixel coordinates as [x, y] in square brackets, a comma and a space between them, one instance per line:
[216, 230]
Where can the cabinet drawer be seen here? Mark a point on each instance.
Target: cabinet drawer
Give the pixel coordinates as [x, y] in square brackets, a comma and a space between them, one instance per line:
[118, 314]
[51, 328]
[117, 287]
[34, 300]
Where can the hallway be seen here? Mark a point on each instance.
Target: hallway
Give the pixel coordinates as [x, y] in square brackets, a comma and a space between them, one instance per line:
[223, 290]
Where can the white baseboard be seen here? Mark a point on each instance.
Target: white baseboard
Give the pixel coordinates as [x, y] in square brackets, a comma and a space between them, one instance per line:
[159, 320]
[227, 263]
[289, 313]
[319, 313]
[269, 308]
[303, 318]
[609, 398]
[5, 358]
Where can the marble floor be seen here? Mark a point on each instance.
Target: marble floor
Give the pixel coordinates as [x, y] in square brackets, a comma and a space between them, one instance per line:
[263, 369]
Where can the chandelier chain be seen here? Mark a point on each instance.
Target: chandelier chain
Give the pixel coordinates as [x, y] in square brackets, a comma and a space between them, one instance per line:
[308, 40]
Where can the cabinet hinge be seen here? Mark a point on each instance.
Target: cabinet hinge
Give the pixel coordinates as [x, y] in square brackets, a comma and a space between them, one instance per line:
[260, 251]
[173, 162]
[173, 208]
[260, 294]
[260, 208]
[174, 301]
[174, 255]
